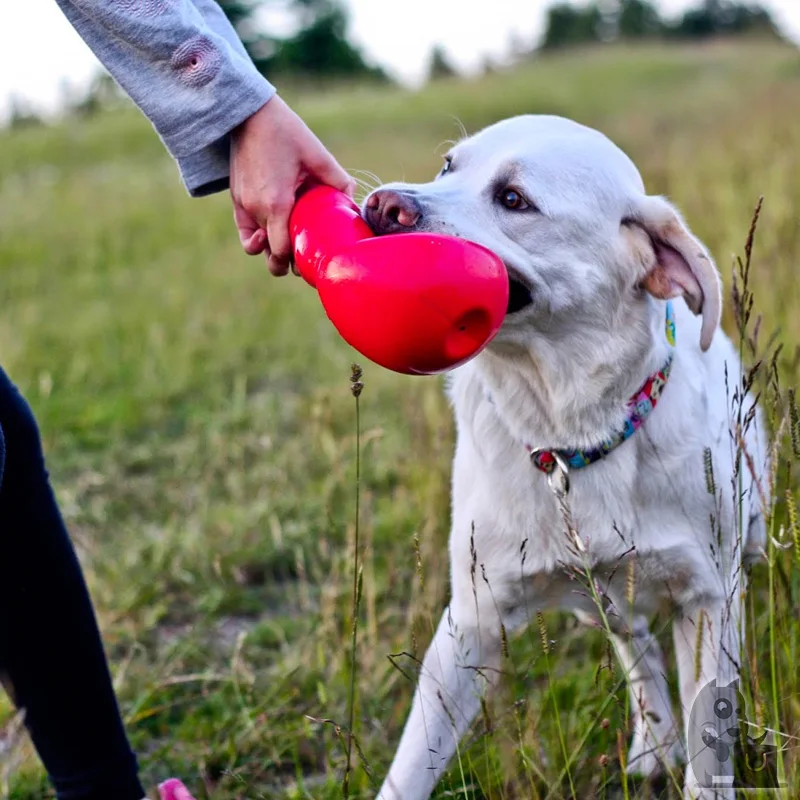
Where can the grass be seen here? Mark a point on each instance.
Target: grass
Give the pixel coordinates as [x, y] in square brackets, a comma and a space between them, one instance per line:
[200, 430]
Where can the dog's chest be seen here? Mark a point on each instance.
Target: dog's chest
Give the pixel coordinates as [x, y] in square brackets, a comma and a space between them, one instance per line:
[647, 500]
[631, 517]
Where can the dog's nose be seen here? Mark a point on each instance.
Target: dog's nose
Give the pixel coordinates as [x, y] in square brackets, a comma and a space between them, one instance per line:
[390, 211]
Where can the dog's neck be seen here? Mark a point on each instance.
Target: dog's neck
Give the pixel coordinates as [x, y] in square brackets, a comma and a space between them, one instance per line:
[572, 391]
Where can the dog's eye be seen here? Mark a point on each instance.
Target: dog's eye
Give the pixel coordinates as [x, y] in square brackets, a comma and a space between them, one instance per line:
[448, 163]
[512, 199]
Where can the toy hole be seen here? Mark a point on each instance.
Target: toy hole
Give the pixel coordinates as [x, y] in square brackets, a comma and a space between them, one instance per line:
[468, 334]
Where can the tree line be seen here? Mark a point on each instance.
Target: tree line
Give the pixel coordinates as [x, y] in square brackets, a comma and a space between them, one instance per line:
[597, 21]
[321, 49]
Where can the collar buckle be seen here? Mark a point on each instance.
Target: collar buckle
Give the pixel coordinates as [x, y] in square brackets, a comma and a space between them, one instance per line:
[552, 463]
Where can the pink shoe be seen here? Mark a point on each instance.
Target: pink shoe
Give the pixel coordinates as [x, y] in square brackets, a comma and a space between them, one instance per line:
[173, 789]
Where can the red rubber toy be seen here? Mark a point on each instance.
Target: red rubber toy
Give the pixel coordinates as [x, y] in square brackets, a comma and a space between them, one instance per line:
[414, 303]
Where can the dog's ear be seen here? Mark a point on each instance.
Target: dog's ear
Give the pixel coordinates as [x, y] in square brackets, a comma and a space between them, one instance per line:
[682, 265]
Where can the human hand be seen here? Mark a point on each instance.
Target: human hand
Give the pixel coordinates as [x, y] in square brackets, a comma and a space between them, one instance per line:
[272, 154]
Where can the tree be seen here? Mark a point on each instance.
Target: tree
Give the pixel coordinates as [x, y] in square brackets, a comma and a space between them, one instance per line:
[440, 67]
[752, 19]
[319, 49]
[698, 23]
[638, 19]
[719, 18]
[568, 24]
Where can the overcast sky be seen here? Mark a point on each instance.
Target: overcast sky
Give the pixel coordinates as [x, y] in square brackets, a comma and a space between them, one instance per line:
[39, 50]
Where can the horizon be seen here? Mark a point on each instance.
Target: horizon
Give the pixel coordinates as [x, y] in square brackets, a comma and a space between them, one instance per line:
[62, 64]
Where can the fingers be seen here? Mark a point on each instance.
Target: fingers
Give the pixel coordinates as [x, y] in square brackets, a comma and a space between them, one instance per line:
[280, 244]
[323, 166]
[256, 243]
[263, 227]
[271, 212]
[252, 236]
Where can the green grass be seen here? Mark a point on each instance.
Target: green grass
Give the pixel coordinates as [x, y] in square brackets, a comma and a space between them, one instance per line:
[200, 431]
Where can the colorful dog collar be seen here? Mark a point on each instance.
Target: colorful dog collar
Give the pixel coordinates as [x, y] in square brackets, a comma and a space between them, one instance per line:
[640, 406]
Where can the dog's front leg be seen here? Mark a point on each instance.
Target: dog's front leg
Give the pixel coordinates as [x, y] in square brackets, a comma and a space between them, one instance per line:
[460, 661]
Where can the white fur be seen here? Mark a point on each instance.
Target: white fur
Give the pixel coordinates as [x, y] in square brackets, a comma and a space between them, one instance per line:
[558, 375]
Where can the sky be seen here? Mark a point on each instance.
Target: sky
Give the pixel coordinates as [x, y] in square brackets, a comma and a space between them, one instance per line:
[398, 36]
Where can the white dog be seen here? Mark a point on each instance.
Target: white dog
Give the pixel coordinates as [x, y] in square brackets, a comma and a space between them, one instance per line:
[564, 464]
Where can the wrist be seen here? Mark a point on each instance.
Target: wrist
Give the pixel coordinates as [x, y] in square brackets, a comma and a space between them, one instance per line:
[266, 111]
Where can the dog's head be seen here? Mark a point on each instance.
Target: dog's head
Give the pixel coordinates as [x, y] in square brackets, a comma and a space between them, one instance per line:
[567, 212]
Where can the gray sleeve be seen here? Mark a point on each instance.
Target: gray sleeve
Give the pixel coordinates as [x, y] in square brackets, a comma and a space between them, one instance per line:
[183, 65]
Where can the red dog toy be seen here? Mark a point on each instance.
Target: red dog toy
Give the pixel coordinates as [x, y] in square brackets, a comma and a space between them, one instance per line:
[415, 303]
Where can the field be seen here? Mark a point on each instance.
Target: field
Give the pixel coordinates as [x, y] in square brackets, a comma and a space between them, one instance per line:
[201, 433]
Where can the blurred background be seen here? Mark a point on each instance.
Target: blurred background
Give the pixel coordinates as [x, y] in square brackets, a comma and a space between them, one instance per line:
[197, 413]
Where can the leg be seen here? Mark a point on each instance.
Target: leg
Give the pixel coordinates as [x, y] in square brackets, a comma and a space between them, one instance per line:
[707, 651]
[460, 661]
[51, 655]
[655, 732]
